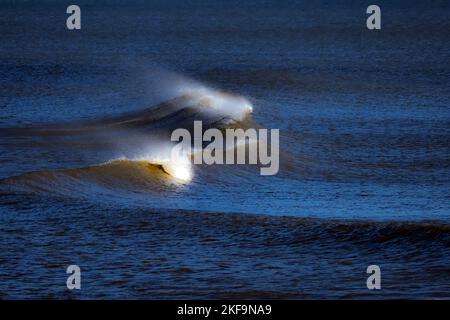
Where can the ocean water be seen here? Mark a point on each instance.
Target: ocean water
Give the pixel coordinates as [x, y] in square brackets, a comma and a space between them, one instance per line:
[85, 123]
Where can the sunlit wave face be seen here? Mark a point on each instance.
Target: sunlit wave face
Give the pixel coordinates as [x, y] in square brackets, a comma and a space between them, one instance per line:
[180, 171]
[179, 167]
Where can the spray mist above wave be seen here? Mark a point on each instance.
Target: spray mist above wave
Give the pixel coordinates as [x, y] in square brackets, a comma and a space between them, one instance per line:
[192, 93]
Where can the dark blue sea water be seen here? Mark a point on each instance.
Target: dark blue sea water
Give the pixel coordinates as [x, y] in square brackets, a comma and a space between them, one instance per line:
[364, 136]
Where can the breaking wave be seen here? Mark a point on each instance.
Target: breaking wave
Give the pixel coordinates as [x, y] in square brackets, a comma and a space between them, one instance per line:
[139, 142]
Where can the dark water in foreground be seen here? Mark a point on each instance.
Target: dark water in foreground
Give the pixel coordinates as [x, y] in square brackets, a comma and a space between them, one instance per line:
[180, 254]
[364, 124]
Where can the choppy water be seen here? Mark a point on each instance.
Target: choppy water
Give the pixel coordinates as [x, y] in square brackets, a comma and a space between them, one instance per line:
[364, 135]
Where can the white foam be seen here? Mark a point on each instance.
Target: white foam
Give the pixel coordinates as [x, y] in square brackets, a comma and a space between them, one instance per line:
[201, 96]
